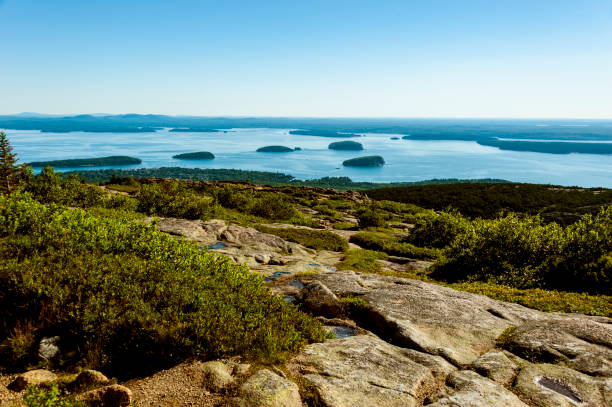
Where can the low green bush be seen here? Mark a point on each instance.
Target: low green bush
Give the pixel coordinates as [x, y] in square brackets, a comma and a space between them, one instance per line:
[171, 199]
[383, 243]
[128, 299]
[433, 230]
[51, 397]
[362, 260]
[49, 187]
[266, 205]
[524, 252]
[371, 217]
[315, 239]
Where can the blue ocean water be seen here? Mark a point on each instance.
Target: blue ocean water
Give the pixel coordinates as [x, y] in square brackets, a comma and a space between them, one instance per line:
[406, 160]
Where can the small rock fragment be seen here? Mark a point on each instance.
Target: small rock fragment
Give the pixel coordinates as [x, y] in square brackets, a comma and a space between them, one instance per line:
[267, 389]
[217, 375]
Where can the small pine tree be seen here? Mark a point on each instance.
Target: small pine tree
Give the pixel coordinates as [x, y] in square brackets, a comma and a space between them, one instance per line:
[8, 165]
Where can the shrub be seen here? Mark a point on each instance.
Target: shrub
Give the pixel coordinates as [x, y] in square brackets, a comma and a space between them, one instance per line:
[523, 252]
[370, 217]
[127, 298]
[272, 206]
[431, 230]
[266, 205]
[386, 244]
[47, 398]
[315, 239]
[121, 203]
[362, 260]
[510, 250]
[170, 199]
[585, 263]
[49, 187]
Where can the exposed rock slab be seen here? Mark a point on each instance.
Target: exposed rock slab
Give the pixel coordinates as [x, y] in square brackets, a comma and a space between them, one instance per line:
[364, 370]
[496, 366]
[456, 325]
[473, 390]
[552, 385]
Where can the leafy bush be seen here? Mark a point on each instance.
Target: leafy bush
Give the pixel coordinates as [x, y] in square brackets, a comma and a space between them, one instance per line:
[370, 217]
[382, 243]
[523, 252]
[127, 298]
[35, 397]
[49, 187]
[431, 230]
[362, 260]
[585, 263]
[315, 239]
[266, 205]
[122, 203]
[510, 250]
[170, 199]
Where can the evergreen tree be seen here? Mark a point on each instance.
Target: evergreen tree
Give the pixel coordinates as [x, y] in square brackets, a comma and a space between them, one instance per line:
[8, 165]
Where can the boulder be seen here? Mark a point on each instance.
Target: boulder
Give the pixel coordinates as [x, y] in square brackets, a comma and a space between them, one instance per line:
[48, 348]
[217, 375]
[114, 395]
[473, 390]
[90, 378]
[268, 389]
[318, 299]
[38, 377]
[364, 370]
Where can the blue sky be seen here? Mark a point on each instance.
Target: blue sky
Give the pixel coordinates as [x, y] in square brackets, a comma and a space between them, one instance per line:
[430, 58]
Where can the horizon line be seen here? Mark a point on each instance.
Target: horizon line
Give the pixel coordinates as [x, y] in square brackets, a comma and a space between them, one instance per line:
[101, 115]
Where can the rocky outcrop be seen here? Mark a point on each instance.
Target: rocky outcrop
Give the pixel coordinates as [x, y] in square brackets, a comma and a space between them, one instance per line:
[503, 345]
[471, 389]
[262, 252]
[364, 370]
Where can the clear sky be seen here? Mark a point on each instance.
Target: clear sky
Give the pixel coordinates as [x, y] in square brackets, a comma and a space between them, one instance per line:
[429, 58]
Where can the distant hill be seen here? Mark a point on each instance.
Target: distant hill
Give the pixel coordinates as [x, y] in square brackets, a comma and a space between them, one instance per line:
[88, 162]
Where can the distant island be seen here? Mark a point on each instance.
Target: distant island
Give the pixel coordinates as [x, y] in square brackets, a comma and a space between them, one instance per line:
[550, 147]
[322, 133]
[200, 155]
[193, 130]
[89, 162]
[274, 149]
[345, 145]
[367, 161]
